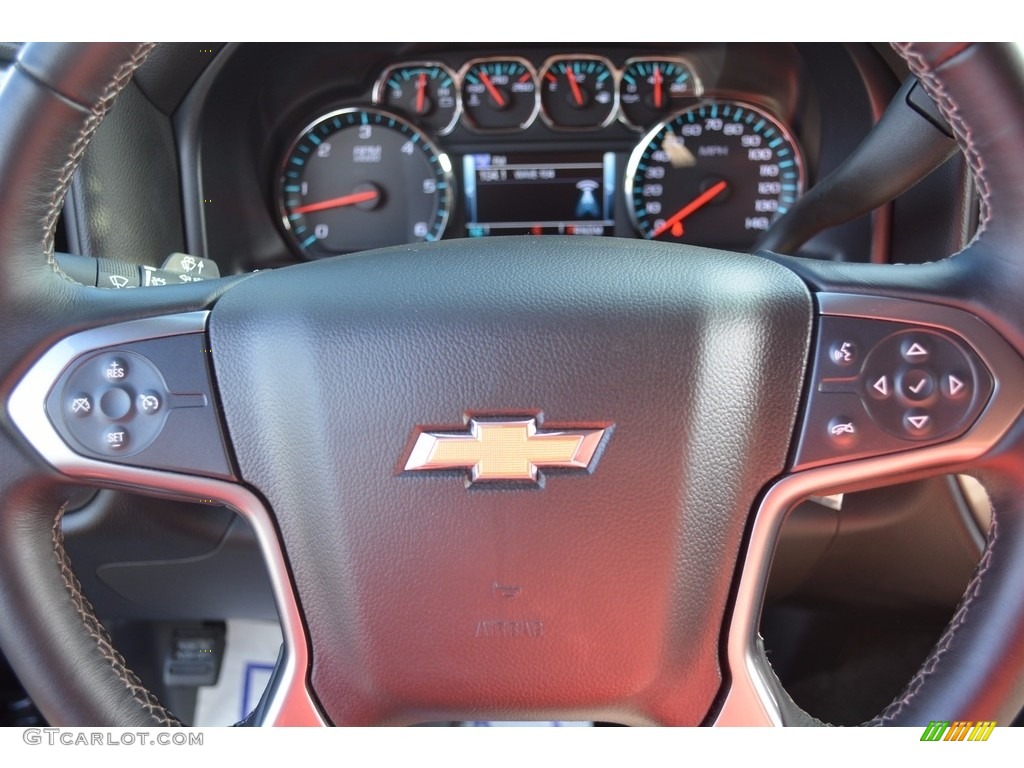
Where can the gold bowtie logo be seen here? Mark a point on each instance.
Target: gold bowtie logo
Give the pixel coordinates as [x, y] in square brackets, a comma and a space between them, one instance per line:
[504, 450]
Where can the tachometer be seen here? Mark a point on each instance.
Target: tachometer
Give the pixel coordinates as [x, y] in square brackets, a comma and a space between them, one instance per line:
[363, 178]
[717, 174]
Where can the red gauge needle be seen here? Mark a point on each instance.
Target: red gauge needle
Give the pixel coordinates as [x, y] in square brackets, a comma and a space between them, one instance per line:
[694, 205]
[421, 87]
[495, 93]
[577, 95]
[338, 202]
[657, 87]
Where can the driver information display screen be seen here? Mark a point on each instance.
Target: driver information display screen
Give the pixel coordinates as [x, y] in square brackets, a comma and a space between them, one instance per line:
[530, 193]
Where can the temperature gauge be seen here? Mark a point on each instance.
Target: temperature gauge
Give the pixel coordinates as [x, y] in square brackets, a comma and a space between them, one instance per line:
[577, 93]
[499, 94]
[425, 91]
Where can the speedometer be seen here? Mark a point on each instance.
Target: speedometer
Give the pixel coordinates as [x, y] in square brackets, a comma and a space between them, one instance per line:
[716, 174]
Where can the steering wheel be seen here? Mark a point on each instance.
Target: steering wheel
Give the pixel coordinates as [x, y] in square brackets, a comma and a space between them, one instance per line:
[513, 479]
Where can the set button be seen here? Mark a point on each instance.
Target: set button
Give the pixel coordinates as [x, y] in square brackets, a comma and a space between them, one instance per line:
[115, 438]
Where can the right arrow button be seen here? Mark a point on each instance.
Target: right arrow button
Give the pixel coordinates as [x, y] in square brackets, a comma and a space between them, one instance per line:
[954, 387]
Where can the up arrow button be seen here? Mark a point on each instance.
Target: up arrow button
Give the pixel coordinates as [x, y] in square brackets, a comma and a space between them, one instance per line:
[914, 352]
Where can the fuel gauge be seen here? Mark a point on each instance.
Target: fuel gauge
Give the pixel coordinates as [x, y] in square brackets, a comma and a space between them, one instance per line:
[423, 90]
[577, 93]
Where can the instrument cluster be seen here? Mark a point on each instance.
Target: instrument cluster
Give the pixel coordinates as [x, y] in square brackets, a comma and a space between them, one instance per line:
[574, 145]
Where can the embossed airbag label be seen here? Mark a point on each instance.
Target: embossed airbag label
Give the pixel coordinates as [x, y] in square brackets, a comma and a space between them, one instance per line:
[511, 629]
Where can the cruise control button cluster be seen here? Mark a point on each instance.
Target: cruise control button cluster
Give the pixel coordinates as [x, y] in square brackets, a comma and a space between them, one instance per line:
[145, 403]
[880, 386]
[109, 398]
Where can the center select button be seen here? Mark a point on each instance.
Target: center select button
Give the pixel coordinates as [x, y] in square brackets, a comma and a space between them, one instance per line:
[115, 403]
[917, 385]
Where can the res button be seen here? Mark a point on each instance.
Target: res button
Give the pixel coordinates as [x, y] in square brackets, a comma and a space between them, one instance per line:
[115, 370]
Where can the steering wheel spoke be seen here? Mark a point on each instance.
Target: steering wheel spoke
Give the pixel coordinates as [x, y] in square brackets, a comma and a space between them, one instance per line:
[131, 405]
[899, 388]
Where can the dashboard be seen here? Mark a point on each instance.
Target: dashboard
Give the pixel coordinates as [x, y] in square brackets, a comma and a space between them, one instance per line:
[304, 152]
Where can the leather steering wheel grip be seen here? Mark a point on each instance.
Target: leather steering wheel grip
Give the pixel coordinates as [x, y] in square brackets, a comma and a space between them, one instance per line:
[976, 669]
[54, 98]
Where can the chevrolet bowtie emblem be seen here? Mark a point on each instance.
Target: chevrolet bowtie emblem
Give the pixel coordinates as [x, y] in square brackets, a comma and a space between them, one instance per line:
[503, 450]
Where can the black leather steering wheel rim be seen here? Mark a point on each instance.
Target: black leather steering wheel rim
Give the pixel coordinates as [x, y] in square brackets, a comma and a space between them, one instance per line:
[56, 97]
